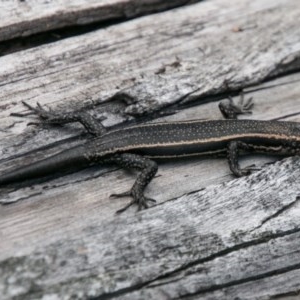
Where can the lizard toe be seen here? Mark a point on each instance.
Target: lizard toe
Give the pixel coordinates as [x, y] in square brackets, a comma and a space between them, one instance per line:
[119, 195]
[143, 202]
[126, 207]
[250, 169]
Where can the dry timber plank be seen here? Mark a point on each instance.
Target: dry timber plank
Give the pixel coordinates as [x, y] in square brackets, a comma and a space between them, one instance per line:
[152, 62]
[70, 222]
[222, 242]
[24, 18]
[278, 99]
[156, 61]
[63, 240]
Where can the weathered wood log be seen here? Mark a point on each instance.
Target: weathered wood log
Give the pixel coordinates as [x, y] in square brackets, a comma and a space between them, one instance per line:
[24, 18]
[134, 64]
[278, 99]
[238, 238]
[155, 61]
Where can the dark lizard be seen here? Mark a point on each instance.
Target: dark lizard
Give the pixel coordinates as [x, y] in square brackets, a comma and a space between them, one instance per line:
[136, 146]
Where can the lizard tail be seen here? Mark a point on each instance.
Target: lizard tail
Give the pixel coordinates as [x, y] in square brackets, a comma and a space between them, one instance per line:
[61, 161]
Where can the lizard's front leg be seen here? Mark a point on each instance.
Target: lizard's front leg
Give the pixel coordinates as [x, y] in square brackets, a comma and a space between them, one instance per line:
[91, 124]
[231, 110]
[148, 169]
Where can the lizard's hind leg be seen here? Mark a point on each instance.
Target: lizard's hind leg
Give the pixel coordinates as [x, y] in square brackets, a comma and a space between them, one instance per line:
[148, 169]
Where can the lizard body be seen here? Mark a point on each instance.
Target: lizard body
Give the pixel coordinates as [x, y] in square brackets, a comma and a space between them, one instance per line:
[136, 146]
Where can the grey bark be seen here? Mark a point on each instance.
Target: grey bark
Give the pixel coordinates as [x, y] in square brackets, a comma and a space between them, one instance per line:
[221, 242]
[210, 236]
[25, 18]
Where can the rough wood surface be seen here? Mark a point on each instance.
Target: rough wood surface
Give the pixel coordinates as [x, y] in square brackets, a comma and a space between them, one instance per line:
[218, 243]
[24, 18]
[65, 241]
[234, 238]
[155, 61]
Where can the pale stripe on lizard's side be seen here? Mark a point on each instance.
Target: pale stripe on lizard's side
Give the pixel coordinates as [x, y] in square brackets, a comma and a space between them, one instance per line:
[136, 146]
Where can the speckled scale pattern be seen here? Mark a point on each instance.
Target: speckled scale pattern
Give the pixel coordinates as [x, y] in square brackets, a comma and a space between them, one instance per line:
[132, 146]
[213, 134]
[147, 168]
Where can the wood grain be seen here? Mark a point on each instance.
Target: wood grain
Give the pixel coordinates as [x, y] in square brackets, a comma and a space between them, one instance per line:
[24, 18]
[202, 53]
[74, 212]
[218, 242]
[210, 236]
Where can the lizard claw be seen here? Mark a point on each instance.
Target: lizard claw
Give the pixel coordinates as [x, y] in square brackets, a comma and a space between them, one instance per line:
[252, 168]
[39, 110]
[246, 106]
[119, 195]
[141, 201]
[249, 170]
[230, 110]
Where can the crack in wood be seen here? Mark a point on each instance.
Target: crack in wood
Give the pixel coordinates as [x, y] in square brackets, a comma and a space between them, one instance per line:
[276, 214]
[286, 116]
[29, 196]
[264, 239]
[285, 295]
[242, 281]
[52, 187]
[62, 23]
